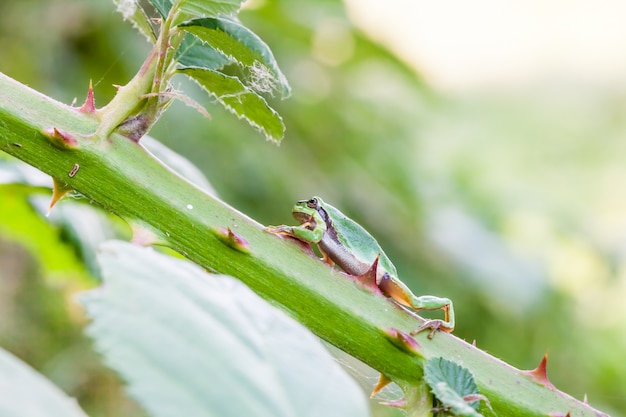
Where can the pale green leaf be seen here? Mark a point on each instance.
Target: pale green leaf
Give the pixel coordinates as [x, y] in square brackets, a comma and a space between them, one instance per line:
[193, 344]
[25, 393]
[243, 46]
[240, 100]
[450, 382]
[13, 171]
[210, 8]
[178, 163]
[132, 11]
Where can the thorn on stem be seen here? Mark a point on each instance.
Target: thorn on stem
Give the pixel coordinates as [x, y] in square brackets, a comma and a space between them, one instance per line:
[144, 235]
[368, 280]
[539, 374]
[59, 190]
[60, 138]
[402, 341]
[89, 106]
[383, 381]
[233, 240]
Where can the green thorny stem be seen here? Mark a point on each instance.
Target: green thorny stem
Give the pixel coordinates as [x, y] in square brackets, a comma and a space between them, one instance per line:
[137, 106]
[125, 179]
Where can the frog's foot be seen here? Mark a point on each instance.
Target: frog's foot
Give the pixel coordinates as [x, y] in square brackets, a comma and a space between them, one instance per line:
[327, 259]
[279, 230]
[434, 326]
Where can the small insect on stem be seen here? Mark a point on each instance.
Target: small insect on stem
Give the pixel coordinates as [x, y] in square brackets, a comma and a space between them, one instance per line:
[74, 170]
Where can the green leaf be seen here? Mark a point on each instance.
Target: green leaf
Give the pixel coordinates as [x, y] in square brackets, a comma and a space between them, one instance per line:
[53, 238]
[192, 52]
[132, 11]
[162, 6]
[83, 226]
[242, 45]
[25, 393]
[208, 8]
[22, 223]
[237, 98]
[194, 344]
[450, 382]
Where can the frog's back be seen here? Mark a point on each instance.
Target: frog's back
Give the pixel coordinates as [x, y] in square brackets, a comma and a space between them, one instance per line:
[360, 241]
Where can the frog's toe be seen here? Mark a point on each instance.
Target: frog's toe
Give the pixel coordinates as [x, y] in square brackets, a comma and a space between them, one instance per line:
[434, 326]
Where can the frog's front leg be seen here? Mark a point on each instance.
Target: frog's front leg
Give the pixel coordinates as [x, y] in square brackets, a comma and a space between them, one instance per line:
[303, 232]
[399, 292]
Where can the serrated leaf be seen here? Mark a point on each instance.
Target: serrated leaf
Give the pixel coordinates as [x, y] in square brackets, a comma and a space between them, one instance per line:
[450, 382]
[240, 100]
[243, 46]
[162, 6]
[132, 11]
[25, 393]
[210, 8]
[192, 52]
[193, 344]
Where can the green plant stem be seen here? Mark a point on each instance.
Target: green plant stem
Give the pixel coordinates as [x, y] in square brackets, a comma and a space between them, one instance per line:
[142, 93]
[128, 99]
[123, 178]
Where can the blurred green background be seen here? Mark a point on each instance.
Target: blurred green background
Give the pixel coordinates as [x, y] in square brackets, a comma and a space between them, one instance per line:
[510, 203]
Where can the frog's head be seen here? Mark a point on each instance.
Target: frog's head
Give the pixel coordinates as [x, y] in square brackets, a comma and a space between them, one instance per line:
[307, 210]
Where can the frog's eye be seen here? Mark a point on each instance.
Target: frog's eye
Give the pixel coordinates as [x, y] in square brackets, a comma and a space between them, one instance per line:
[312, 203]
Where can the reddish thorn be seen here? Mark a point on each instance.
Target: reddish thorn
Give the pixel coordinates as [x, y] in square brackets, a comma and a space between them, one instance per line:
[383, 381]
[60, 139]
[232, 239]
[143, 235]
[369, 279]
[539, 374]
[402, 341]
[117, 86]
[474, 343]
[89, 106]
[401, 403]
[559, 414]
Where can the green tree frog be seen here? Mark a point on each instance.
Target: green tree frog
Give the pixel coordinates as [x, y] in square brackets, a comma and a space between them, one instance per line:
[344, 242]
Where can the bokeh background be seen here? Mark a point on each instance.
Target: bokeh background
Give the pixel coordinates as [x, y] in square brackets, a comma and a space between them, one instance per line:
[483, 144]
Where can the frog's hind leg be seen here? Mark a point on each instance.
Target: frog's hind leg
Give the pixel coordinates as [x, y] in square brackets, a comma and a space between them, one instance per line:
[326, 258]
[399, 292]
